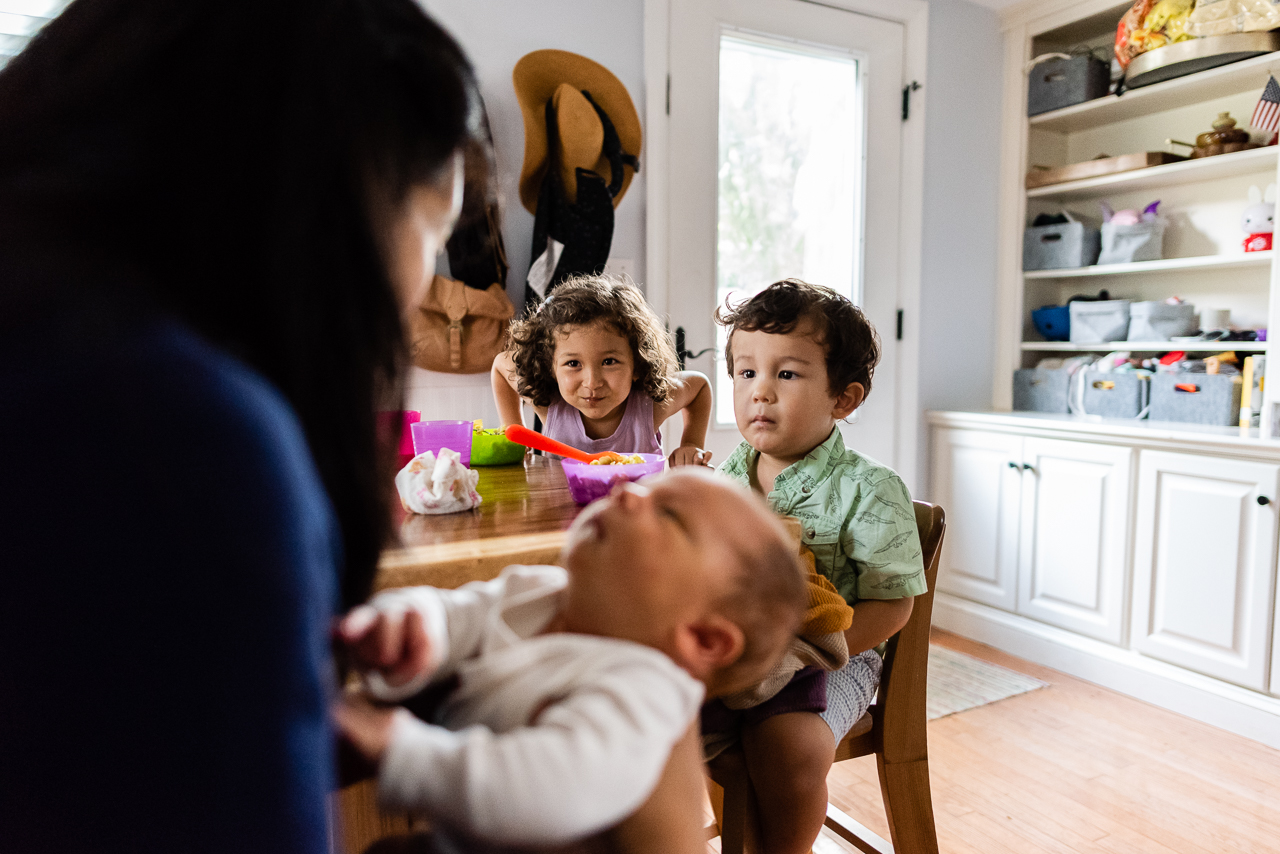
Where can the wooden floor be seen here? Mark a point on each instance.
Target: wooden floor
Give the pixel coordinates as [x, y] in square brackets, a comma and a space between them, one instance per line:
[1078, 768]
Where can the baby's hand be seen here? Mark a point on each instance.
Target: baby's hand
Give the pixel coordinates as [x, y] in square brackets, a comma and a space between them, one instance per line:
[394, 643]
[689, 455]
[363, 726]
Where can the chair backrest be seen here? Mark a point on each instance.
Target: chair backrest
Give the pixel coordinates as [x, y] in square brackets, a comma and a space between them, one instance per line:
[900, 704]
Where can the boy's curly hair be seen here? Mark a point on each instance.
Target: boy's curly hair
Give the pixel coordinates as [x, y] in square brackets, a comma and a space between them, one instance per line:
[580, 301]
[851, 342]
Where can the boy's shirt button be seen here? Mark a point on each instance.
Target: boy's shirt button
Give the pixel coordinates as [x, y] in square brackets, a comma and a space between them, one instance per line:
[805, 490]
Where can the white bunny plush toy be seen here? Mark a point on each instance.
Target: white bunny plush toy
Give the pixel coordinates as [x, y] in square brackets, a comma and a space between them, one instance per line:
[1259, 219]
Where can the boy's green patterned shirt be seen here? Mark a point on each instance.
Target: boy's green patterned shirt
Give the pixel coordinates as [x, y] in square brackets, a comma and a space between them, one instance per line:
[855, 514]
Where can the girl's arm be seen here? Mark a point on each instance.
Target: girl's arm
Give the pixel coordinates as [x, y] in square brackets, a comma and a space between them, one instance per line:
[692, 395]
[503, 378]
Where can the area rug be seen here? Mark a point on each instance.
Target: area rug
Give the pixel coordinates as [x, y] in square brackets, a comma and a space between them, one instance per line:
[958, 682]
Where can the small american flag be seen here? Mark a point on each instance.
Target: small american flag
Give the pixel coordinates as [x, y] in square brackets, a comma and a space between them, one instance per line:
[1266, 116]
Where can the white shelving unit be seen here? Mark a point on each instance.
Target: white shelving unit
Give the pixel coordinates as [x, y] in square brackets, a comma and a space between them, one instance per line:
[1202, 199]
[1087, 542]
[1217, 82]
[1160, 177]
[1144, 346]
[1195, 262]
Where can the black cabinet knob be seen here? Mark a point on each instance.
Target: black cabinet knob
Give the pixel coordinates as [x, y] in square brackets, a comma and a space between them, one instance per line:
[1264, 500]
[1013, 465]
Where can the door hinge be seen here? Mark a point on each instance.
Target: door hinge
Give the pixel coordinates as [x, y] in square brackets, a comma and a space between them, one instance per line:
[668, 94]
[906, 97]
[899, 324]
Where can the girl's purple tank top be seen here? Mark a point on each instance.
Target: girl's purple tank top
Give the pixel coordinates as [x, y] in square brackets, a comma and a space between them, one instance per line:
[635, 435]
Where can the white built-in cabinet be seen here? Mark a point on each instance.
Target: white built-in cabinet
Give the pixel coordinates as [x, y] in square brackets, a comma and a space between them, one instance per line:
[1036, 526]
[1072, 540]
[1155, 543]
[977, 478]
[1205, 564]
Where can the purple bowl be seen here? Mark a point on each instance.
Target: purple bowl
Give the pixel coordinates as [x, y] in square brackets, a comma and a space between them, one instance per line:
[588, 482]
[434, 435]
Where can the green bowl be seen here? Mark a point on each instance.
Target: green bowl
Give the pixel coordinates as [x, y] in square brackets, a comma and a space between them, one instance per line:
[494, 449]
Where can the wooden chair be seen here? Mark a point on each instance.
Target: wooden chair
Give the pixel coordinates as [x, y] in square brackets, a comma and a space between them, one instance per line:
[893, 729]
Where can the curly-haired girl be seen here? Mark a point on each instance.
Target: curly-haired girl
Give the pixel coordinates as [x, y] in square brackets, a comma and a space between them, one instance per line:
[600, 371]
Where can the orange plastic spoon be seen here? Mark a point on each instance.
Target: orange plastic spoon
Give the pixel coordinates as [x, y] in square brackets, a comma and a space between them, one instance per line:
[530, 439]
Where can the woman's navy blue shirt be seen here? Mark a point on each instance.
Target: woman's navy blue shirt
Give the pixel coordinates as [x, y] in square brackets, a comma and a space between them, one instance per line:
[168, 566]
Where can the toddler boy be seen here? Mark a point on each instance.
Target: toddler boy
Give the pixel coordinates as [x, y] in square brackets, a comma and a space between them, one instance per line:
[573, 685]
[801, 357]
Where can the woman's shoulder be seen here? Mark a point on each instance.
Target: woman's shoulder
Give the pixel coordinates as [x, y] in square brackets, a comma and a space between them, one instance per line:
[217, 404]
[199, 380]
[157, 411]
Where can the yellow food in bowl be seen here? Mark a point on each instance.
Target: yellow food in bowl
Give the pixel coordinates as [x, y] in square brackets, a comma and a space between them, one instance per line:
[615, 459]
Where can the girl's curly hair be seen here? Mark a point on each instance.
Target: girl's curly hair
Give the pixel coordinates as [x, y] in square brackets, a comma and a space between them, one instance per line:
[580, 301]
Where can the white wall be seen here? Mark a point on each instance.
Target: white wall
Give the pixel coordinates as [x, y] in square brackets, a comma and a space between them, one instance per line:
[495, 34]
[961, 172]
[962, 99]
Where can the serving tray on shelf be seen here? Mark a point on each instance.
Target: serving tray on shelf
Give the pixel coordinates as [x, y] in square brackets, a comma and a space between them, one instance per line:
[1101, 166]
[1182, 58]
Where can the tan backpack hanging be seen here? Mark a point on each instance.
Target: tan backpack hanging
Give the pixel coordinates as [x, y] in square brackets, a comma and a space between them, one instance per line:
[460, 330]
[461, 325]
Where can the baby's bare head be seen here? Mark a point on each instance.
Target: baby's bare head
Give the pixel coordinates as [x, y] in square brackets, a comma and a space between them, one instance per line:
[692, 564]
[766, 598]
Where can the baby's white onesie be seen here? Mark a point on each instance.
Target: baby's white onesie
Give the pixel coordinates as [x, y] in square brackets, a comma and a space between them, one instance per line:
[548, 738]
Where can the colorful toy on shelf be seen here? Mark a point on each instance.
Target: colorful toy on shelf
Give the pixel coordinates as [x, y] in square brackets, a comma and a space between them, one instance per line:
[1130, 216]
[1128, 235]
[1259, 219]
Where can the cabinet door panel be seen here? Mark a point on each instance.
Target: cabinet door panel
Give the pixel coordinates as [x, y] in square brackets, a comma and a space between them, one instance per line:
[1074, 544]
[979, 491]
[1204, 564]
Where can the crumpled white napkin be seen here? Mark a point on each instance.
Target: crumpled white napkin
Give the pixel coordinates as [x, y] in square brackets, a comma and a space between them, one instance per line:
[437, 484]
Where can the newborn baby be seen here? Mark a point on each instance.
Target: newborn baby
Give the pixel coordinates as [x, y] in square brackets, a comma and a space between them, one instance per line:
[573, 684]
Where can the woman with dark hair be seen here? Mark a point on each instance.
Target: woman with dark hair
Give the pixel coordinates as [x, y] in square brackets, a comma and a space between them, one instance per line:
[212, 216]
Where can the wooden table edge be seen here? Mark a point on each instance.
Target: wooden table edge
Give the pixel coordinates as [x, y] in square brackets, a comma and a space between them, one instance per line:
[454, 564]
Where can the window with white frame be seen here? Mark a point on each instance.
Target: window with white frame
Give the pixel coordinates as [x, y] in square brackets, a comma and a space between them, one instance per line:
[22, 19]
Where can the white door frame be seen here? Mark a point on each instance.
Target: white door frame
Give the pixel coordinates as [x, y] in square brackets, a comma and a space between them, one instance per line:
[914, 17]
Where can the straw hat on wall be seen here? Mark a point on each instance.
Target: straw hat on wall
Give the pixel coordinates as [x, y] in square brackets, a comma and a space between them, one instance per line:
[576, 87]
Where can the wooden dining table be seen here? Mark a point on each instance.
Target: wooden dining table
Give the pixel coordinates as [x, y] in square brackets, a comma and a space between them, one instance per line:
[524, 514]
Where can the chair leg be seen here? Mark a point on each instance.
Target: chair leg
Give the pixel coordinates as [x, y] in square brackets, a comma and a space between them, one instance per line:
[735, 808]
[715, 794]
[908, 805]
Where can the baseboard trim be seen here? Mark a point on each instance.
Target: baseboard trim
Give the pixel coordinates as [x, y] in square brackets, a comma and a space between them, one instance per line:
[1230, 707]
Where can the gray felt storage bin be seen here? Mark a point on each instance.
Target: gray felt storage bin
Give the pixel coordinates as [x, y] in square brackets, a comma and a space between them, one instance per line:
[1057, 83]
[1064, 244]
[1099, 322]
[1115, 395]
[1158, 321]
[1041, 390]
[1139, 241]
[1215, 399]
